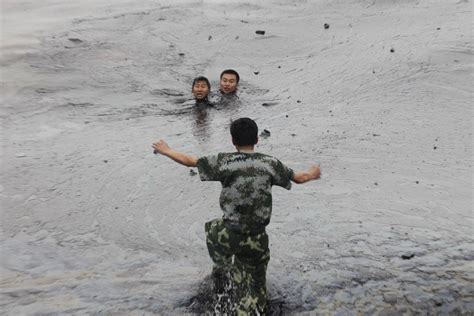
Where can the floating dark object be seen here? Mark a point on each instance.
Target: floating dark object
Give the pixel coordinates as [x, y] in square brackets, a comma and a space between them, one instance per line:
[256, 72]
[408, 257]
[181, 54]
[260, 32]
[375, 135]
[417, 182]
[438, 28]
[392, 50]
[293, 134]
[269, 103]
[75, 40]
[279, 66]
[326, 26]
[298, 101]
[237, 37]
[106, 161]
[375, 183]
[243, 21]
[435, 147]
[192, 173]
[265, 133]
[209, 38]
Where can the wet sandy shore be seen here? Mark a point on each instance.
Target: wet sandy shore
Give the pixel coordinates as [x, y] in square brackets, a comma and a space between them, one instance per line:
[94, 223]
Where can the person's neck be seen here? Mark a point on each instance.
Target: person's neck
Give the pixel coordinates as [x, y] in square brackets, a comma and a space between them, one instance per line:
[229, 94]
[245, 149]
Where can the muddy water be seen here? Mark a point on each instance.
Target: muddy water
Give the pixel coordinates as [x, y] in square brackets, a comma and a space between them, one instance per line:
[93, 222]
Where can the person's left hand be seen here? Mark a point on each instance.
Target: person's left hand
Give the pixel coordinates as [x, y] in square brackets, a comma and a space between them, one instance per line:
[161, 147]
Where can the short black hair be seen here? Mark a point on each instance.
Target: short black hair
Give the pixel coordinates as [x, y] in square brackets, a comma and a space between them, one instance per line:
[201, 78]
[232, 72]
[244, 132]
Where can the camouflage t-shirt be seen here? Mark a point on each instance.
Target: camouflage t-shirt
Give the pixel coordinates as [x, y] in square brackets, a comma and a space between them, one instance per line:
[247, 180]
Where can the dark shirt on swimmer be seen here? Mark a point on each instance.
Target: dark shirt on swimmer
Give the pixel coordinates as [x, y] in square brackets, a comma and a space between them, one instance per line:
[224, 99]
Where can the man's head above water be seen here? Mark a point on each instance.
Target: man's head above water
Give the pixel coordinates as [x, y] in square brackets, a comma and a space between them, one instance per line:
[229, 81]
[201, 88]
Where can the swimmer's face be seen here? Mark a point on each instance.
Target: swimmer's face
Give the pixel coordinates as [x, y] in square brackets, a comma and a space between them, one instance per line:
[228, 83]
[200, 90]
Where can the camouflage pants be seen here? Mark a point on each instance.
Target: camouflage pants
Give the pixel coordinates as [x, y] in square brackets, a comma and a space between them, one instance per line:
[241, 259]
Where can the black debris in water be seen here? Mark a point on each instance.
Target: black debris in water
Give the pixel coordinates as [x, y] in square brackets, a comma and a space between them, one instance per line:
[256, 72]
[181, 54]
[392, 50]
[408, 257]
[260, 32]
[209, 38]
[192, 173]
[326, 26]
[265, 133]
[75, 40]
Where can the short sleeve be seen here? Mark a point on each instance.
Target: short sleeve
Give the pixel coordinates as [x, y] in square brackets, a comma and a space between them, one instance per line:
[208, 167]
[283, 175]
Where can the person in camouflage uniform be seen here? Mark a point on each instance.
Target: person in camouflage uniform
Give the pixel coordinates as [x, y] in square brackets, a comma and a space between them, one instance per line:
[237, 242]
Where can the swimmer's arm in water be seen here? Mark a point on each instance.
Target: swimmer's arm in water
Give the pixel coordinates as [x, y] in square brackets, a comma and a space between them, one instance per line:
[163, 148]
[313, 173]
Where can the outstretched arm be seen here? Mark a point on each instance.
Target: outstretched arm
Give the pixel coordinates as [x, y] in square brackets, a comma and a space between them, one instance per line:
[162, 147]
[312, 173]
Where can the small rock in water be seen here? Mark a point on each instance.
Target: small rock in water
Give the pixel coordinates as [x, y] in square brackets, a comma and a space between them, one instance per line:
[256, 72]
[293, 134]
[417, 182]
[260, 32]
[408, 256]
[438, 28]
[326, 26]
[265, 133]
[298, 101]
[181, 54]
[106, 161]
[435, 147]
[209, 38]
[392, 50]
[192, 173]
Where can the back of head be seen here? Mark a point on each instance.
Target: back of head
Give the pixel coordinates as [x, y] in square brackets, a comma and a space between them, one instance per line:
[244, 132]
[231, 72]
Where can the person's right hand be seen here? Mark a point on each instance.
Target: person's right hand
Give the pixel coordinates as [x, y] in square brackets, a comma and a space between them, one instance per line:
[315, 171]
[161, 147]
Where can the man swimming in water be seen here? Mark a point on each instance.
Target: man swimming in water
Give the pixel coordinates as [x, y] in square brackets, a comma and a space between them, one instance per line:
[228, 84]
[201, 89]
